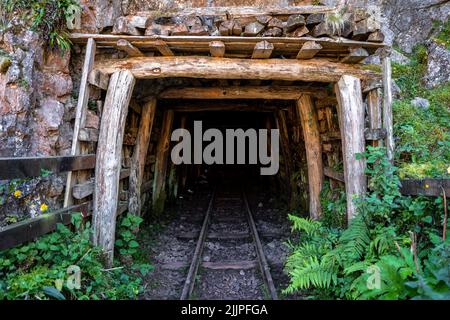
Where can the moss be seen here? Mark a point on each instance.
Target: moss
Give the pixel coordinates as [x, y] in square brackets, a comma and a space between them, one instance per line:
[373, 67]
[443, 37]
[423, 135]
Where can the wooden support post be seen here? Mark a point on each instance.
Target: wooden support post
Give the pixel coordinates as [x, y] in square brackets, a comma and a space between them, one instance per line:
[162, 155]
[139, 155]
[108, 164]
[309, 50]
[351, 120]
[262, 50]
[311, 135]
[374, 112]
[80, 116]
[131, 50]
[280, 119]
[387, 106]
[217, 49]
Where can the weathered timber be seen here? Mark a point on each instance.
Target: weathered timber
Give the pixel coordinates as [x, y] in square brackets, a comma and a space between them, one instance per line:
[333, 174]
[217, 49]
[131, 50]
[20, 168]
[108, 165]
[263, 50]
[80, 114]
[309, 50]
[351, 120]
[242, 92]
[374, 108]
[163, 48]
[30, 229]
[230, 265]
[225, 68]
[85, 189]
[139, 154]
[162, 156]
[425, 187]
[387, 107]
[311, 135]
[98, 79]
[217, 105]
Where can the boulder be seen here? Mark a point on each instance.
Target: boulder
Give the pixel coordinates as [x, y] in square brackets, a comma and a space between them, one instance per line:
[419, 102]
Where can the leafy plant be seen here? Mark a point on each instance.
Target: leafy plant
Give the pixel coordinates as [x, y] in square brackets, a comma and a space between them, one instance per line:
[40, 269]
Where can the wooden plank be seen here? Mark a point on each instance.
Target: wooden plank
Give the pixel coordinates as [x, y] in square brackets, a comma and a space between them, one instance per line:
[131, 50]
[225, 68]
[351, 120]
[85, 189]
[425, 187]
[98, 79]
[163, 48]
[262, 50]
[139, 155]
[217, 49]
[333, 174]
[30, 229]
[311, 135]
[356, 55]
[162, 156]
[387, 106]
[374, 108]
[242, 92]
[107, 170]
[80, 115]
[309, 50]
[19, 168]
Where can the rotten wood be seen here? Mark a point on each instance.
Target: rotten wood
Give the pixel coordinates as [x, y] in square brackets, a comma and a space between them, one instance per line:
[387, 106]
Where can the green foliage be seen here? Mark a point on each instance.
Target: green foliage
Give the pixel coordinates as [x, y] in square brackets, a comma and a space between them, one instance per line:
[334, 206]
[443, 36]
[41, 269]
[423, 135]
[394, 239]
[48, 17]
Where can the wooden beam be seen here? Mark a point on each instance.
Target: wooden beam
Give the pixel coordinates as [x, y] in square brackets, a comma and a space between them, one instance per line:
[99, 79]
[425, 187]
[139, 154]
[356, 55]
[351, 120]
[309, 50]
[20, 168]
[311, 135]
[217, 49]
[333, 174]
[131, 50]
[387, 106]
[30, 229]
[262, 50]
[108, 165]
[85, 189]
[162, 156]
[212, 68]
[242, 92]
[163, 48]
[80, 114]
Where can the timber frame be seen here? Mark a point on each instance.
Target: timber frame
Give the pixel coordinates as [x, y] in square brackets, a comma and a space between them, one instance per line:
[331, 120]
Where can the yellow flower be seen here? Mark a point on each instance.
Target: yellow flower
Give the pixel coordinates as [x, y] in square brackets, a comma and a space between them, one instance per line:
[44, 207]
[427, 186]
[17, 193]
[448, 170]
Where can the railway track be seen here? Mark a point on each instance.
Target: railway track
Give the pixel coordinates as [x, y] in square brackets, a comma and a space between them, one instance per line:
[228, 255]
